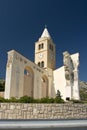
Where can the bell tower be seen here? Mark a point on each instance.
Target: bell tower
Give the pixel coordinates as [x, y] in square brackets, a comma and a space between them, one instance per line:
[45, 51]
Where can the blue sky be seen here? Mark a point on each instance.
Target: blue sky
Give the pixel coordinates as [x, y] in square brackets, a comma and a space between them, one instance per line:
[22, 23]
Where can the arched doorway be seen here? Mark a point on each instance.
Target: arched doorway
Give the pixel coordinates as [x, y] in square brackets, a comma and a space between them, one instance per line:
[44, 86]
[28, 81]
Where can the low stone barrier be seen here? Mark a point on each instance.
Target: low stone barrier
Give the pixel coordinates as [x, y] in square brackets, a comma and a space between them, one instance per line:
[43, 111]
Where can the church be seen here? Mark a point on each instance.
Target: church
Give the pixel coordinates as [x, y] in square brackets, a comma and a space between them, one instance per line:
[40, 78]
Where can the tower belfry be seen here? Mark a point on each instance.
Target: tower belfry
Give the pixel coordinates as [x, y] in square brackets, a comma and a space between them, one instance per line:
[45, 34]
[45, 51]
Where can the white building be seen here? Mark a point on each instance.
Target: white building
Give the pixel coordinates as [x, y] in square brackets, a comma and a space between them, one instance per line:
[41, 79]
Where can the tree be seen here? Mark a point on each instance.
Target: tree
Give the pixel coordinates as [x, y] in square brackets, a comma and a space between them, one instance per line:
[2, 85]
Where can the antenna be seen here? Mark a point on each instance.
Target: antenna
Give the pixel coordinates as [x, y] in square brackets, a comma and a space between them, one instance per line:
[45, 26]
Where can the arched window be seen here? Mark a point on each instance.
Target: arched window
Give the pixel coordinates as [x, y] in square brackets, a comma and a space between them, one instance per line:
[39, 46]
[42, 45]
[51, 47]
[26, 72]
[38, 63]
[42, 64]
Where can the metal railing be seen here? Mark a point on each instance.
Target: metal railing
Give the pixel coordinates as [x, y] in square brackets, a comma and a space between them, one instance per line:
[40, 124]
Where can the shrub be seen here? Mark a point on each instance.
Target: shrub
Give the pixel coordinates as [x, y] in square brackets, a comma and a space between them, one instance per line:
[12, 99]
[44, 100]
[26, 99]
[36, 100]
[2, 99]
[83, 94]
[51, 100]
[58, 100]
[76, 101]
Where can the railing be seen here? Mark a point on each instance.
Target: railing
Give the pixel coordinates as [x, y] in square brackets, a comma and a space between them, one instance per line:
[43, 124]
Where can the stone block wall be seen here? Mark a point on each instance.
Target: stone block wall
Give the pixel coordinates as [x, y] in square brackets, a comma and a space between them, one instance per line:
[42, 111]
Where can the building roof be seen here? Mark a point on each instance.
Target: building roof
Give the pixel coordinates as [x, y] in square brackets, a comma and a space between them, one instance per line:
[45, 33]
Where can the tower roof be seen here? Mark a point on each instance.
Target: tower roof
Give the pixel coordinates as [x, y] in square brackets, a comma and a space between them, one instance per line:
[45, 34]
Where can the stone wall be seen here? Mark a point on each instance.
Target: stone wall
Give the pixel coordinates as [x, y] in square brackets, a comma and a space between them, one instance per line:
[42, 111]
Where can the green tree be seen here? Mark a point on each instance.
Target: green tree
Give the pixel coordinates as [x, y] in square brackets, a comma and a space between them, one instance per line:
[2, 85]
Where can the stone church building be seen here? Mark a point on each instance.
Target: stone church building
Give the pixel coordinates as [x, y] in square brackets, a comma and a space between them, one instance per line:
[40, 79]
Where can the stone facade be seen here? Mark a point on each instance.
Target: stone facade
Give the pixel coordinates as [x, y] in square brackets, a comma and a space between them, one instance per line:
[67, 77]
[43, 111]
[23, 77]
[40, 78]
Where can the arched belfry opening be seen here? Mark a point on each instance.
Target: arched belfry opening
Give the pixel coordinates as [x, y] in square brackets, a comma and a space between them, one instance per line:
[45, 86]
[28, 81]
